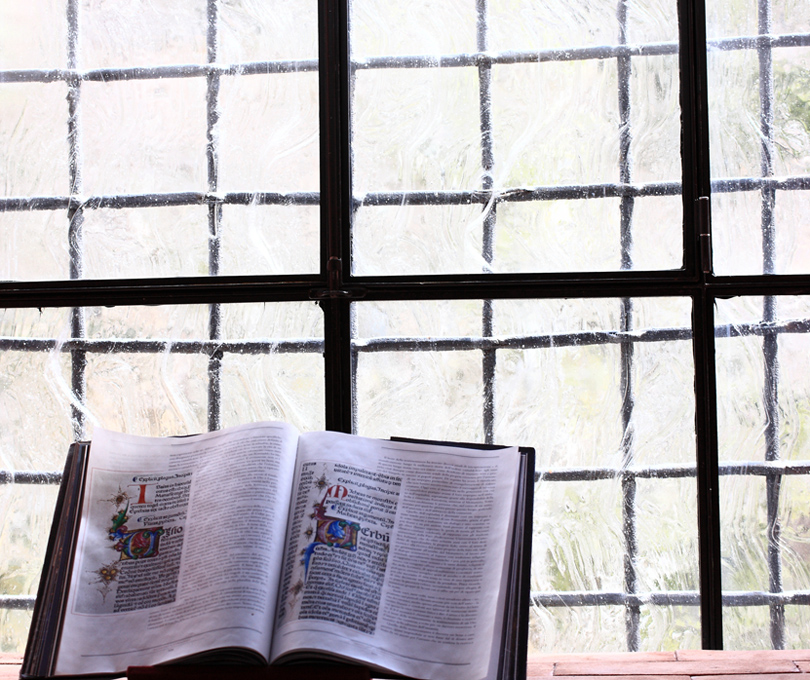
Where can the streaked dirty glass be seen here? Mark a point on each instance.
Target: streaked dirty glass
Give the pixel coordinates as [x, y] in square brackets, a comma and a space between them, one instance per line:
[760, 136]
[147, 372]
[558, 386]
[435, 130]
[764, 545]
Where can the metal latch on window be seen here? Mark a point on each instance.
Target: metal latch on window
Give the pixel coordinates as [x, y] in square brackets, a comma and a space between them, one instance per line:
[334, 280]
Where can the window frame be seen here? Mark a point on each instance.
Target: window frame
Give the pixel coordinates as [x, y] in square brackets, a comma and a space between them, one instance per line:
[336, 288]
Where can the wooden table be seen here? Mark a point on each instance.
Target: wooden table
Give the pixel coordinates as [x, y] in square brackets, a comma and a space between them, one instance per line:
[684, 665]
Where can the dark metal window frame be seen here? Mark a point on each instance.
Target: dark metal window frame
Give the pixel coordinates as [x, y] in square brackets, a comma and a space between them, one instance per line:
[337, 288]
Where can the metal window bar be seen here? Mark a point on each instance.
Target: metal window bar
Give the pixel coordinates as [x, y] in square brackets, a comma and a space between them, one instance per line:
[773, 470]
[769, 340]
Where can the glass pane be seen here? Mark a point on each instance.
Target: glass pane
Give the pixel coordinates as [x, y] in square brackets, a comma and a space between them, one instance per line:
[268, 133]
[613, 425]
[32, 34]
[145, 136]
[760, 135]
[764, 421]
[134, 34]
[502, 163]
[257, 30]
[33, 142]
[33, 245]
[170, 241]
[143, 370]
[270, 239]
[158, 120]
[26, 511]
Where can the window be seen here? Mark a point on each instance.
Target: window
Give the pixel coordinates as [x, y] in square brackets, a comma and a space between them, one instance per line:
[573, 225]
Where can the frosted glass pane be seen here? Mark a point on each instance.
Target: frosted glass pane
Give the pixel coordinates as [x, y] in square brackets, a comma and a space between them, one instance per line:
[741, 370]
[422, 27]
[150, 323]
[25, 522]
[449, 125]
[530, 25]
[793, 248]
[32, 34]
[763, 386]
[416, 129]
[269, 239]
[35, 427]
[147, 371]
[798, 619]
[733, 18]
[257, 30]
[195, 134]
[145, 394]
[569, 557]
[286, 383]
[416, 394]
[541, 317]
[652, 20]
[127, 34]
[759, 128]
[548, 394]
[33, 139]
[138, 243]
[558, 236]
[729, 17]
[280, 321]
[144, 136]
[556, 123]
[412, 319]
[657, 240]
[655, 120]
[433, 394]
[795, 508]
[275, 387]
[734, 113]
[35, 430]
[33, 245]
[560, 629]
[580, 546]
[746, 628]
[558, 384]
[268, 133]
[791, 73]
[668, 544]
[416, 239]
[737, 232]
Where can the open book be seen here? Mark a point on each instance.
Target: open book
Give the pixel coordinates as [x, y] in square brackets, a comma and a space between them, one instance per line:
[260, 544]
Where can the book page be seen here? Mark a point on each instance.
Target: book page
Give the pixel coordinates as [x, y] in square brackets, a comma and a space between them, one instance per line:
[396, 554]
[179, 548]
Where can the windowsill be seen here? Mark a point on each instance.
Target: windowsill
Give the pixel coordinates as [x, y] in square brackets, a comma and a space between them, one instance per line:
[665, 665]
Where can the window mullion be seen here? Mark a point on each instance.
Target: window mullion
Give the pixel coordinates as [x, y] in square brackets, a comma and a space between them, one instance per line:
[697, 184]
[336, 209]
[711, 609]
